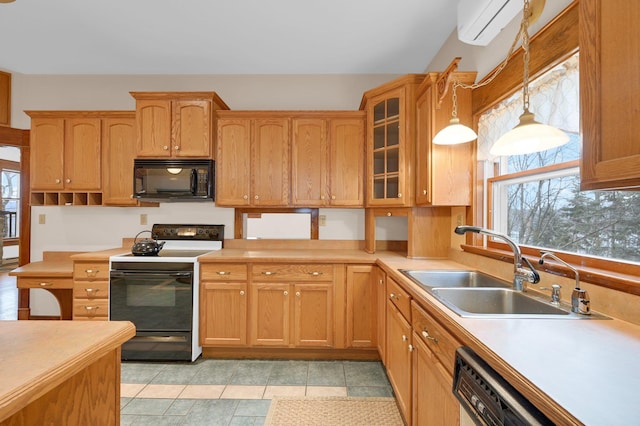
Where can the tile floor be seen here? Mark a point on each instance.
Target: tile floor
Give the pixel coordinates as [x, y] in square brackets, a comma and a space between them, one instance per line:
[236, 392]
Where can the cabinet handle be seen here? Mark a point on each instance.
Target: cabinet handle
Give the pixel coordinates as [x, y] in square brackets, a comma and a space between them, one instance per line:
[57, 180]
[411, 348]
[399, 194]
[315, 273]
[223, 273]
[388, 213]
[91, 308]
[91, 291]
[241, 292]
[380, 282]
[424, 192]
[45, 284]
[245, 197]
[256, 197]
[177, 148]
[286, 293]
[394, 296]
[166, 148]
[297, 294]
[322, 197]
[68, 180]
[268, 273]
[425, 334]
[333, 197]
[91, 272]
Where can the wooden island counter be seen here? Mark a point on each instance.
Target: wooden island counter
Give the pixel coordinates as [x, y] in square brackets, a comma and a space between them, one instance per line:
[61, 372]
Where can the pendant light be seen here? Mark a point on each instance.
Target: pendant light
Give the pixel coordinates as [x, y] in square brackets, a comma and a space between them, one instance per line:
[529, 135]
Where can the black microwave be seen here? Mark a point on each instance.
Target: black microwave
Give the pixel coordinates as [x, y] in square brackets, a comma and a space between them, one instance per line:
[174, 180]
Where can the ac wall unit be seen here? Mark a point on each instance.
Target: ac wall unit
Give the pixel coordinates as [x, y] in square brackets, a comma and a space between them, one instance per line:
[480, 21]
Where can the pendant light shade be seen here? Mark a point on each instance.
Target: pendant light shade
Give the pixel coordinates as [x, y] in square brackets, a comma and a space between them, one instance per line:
[529, 136]
[455, 133]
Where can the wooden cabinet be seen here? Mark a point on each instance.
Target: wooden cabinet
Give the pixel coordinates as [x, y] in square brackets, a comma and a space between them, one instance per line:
[176, 124]
[433, 365]
[252, 167]
[361, 307]
[60, 287]
[327, 160]
[609, 40]
[380, 284]
[5, 98]
[443, 172]
[292, 305]
[223, 304]
[65, 151]
[118, 152]
[399, 346]
[391, 142]
[91, 290]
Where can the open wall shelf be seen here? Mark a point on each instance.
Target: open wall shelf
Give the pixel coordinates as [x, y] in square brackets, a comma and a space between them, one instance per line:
[66, 198]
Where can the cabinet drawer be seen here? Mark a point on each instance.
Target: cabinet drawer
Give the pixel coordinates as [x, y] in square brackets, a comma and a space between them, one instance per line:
[91, 290]
[399, 298]
[223, 272]
[87, 308]
[436, 337]
[274, 272]
[91, 271]
[44, 282]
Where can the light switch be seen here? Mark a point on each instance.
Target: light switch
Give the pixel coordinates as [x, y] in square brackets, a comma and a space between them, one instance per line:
[42, 219]
[143, 219]
[322, 220]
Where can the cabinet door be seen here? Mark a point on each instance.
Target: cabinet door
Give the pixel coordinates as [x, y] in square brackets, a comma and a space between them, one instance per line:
[118, 152]
[609, 83]
[192, 126]
[223, 314]
[270, 163]
[82, 165]
[309, 162]
[433, 402]
[380, 279]
[361, 307]
[313, 315]
[270, 314]
[346, 162]
[154, 128]
[47, 153]
[399, 358]
[233, 162]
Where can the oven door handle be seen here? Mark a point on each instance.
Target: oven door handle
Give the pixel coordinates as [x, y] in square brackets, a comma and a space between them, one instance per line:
[119, 274]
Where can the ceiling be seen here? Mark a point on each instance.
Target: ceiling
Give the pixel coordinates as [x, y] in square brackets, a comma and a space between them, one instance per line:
[222, 36]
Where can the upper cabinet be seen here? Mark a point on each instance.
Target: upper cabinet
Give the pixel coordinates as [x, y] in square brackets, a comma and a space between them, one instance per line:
[391, 142]
[176, 124]
[327, 160]
[252, 166]
[5, 99]
[118, 152]
[609, 86]
[443, 172]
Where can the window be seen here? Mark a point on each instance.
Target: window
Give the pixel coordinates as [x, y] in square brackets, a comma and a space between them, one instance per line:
[10, 202]
[535, 198]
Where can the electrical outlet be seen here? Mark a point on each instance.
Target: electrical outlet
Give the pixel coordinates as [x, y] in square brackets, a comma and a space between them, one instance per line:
[322, 220]
[42, 219]
[459, 219]
[143, 219]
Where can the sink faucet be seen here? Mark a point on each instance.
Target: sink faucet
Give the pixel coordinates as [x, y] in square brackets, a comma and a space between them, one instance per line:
[520, 274]
[580, 302]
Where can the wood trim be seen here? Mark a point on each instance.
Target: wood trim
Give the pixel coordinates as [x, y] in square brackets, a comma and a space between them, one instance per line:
[5, 98]
[290, 353]
[602, 272]
[238, 231]
[554, 43]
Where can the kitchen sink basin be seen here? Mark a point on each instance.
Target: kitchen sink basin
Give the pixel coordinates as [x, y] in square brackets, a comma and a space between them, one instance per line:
[496, 302]
[430, 279]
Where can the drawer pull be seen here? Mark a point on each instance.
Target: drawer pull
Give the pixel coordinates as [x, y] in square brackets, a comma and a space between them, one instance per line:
[45, 284]
[91, 272]
[404, 338]
[91, 291]
[394, 296]
[411, 348]
[91, 308]
[223, 273]
[268, 273]
[425, 334]
[315, 273]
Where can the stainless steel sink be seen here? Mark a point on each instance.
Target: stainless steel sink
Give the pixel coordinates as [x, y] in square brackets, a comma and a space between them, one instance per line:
[501, 302]
[430, 279]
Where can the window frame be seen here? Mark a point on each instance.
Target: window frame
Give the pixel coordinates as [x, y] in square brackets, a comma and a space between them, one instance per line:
[562, 35]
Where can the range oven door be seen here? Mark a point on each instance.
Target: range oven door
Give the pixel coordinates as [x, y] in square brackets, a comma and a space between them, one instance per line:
[158, 298]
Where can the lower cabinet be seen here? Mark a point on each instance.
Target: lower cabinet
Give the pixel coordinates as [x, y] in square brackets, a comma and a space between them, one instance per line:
[91, 290]
[361, 307]
[223, 304]
[380, 284]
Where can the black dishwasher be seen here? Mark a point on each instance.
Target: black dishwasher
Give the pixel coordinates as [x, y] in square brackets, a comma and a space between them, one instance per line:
[487, 397]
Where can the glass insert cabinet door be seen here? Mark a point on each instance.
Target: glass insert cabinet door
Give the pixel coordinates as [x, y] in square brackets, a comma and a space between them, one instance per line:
[386, 149]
